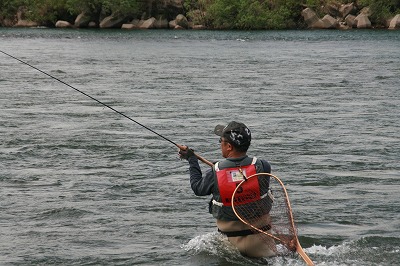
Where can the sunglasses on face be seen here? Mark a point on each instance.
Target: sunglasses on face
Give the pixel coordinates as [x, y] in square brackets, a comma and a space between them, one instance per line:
[222, 140]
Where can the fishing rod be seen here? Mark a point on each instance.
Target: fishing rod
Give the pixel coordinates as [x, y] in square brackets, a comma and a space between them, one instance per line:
[109, 107]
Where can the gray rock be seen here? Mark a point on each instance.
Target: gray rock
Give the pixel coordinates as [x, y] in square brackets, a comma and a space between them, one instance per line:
[128, 26]
[346, 9]
[148, 24]
[182, 21]
[63, 24]
[112, 22]
[351, 21]
[312, 20]
[395, 22]
[82, 20]
[363, 21]
[330, 22]
[26, 23]
[172, 24]
[332, 9]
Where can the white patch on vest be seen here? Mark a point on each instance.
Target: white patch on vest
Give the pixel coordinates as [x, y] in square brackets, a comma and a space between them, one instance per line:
[237, 176]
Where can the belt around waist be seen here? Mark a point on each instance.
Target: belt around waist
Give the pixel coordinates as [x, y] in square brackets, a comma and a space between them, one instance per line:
[244, 232]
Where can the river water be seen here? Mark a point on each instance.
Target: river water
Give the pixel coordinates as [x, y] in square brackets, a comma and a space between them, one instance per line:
[83, 185]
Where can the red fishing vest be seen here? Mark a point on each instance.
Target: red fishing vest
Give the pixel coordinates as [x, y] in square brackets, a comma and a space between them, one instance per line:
[229, 178]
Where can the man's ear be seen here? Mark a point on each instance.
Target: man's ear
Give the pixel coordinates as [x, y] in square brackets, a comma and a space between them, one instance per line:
[230, 147]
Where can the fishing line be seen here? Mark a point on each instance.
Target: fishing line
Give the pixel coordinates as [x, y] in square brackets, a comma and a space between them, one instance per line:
[87, 95]
[109, 107]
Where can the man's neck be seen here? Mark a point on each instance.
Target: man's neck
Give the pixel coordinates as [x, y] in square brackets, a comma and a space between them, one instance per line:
[236, 154]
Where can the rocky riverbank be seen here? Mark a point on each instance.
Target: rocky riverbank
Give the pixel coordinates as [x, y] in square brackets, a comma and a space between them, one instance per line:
[344, 16]
[337, 16]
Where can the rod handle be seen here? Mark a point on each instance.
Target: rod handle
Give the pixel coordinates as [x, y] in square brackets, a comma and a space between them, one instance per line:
[204, 160]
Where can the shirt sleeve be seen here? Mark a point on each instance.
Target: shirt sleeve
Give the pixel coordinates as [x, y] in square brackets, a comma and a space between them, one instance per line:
[266, 166]
[201, 185]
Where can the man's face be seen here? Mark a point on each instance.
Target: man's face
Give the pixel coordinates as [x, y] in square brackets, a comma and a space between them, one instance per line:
[226, 147]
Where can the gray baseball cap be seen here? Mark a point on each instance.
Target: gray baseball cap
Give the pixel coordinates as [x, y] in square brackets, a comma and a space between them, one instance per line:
[235, 132]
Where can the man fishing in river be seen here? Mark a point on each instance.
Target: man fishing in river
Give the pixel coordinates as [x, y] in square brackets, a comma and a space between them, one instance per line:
[221, 181]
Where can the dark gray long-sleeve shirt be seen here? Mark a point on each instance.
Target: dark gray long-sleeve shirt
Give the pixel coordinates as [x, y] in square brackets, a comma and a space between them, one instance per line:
[201, 186]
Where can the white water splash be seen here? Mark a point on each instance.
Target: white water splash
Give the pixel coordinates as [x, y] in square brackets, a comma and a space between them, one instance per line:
[215, 244]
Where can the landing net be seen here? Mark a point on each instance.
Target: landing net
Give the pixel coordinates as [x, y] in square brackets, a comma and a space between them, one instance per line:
[270, 214]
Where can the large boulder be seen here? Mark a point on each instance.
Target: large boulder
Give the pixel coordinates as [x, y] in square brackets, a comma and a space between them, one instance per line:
[351, 21]
[395, 22]
[112, 21]
[346, 9]
[312, 20]
[172, 24]
[63, 24]
[26, 23]
[330, 22]
[128, 26]
[366, 11]
[363, 21]
[148, 24]
[332, 9]
[82, 20]
[182, 21]
[137, 22]
[177, 27]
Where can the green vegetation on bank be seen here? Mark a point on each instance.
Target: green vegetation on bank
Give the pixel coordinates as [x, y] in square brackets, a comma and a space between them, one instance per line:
[47, 12]
[381, 10]
[218, 14]
[245, 14]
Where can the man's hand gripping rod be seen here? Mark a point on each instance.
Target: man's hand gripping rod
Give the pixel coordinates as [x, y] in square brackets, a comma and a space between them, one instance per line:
[183, 148]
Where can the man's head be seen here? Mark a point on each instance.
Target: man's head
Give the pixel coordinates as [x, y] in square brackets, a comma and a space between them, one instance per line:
[235, 133]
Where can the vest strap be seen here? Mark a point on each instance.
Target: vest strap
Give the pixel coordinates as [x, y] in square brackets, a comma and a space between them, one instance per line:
[216, 166]
[220, 204]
